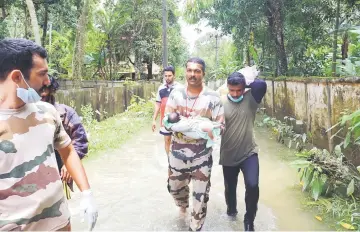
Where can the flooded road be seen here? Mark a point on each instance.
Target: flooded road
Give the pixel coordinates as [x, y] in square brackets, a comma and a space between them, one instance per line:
[130, 186]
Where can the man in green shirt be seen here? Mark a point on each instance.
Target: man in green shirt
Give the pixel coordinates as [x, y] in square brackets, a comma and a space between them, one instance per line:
[238, 149]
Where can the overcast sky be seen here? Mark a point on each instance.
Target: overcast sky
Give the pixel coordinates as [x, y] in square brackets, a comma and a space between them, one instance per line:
[189, 32]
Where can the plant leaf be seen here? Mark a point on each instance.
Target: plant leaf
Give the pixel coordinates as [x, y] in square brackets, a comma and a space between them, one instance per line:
[347, 139]
[337, 150]
[333, 127]
[316, 188]
[357, 125]
[345, 118]
[304, 138]
[308, 178]
[290, 143]
[347, 226]
[300, 164]
[351, 188]
[266, 119]
[325, 152]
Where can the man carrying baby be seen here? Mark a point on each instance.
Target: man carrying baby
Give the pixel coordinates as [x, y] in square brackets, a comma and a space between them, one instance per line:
[190, 159]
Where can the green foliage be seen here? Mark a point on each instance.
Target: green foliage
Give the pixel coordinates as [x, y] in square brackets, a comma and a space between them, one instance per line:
[305, 34]
[324, 174]
[87, 113]
[114, 131]
[350, 122]
[332, 183]
[61, 53]
[227, 60]
[140, 107]
[129, 83]
[339, 213]
[3, 29]
[178, 49]
[120, 36]
[284, 130]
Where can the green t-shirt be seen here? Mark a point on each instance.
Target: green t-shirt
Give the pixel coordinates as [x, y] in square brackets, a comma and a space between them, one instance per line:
[237, 142]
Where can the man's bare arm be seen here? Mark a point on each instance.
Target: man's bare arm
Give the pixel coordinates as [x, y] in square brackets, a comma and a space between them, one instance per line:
[74, 166]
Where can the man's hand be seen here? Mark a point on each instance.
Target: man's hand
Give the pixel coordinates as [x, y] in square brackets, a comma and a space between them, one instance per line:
[250, 73]
[88, 208]
[65, 175]
[153, 125]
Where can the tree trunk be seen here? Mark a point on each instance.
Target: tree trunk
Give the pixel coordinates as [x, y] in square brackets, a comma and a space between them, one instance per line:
[345, 47]
[251, 48]
[79, 49]
[273, 10]
[337, 24]
[164, 35]
[110, 56]
[34, 21]
[149, 68]
[25, 23]
[46, 18]
[3, 11]
[248, 56]
[137, 65]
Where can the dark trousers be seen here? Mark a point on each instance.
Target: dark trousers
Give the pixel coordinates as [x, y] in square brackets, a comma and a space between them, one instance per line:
[250, 170]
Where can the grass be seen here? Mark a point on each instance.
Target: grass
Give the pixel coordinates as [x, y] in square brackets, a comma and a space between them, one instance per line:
[336, 212]
[113, 132]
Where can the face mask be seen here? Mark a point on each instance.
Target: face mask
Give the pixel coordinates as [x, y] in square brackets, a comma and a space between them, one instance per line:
[27, 95]
[235, 100]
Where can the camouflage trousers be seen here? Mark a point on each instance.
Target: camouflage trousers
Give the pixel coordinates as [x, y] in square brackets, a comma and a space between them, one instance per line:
[181, 173]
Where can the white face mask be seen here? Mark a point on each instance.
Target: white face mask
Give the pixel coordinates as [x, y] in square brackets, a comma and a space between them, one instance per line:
[27, 95]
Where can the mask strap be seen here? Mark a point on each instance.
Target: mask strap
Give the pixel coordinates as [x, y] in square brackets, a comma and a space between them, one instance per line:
[24, 80]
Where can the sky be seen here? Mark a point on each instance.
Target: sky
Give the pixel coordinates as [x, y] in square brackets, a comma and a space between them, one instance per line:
[189, 32]
[191, 35]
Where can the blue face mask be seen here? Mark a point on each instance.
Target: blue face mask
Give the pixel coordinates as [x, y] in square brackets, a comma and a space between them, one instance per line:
[235, 100]
[28, 95]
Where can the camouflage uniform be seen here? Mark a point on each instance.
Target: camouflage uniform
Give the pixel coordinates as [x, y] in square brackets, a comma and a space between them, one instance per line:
[189, 158]
[31, 196]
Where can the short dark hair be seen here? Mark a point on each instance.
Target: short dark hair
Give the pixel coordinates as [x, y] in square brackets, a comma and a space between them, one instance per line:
[54, 84]
[236, 78]
[196, 60]
[170, 69]
[52, 87]
[18, 54]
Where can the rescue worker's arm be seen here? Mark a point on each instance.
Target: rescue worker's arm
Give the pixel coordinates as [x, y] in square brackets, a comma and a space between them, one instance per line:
[74, 166]
[156, 110]
[62, 144]
[171, 105]
[76, 131]
[156, 113]
[258, 89]
[218, 116]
